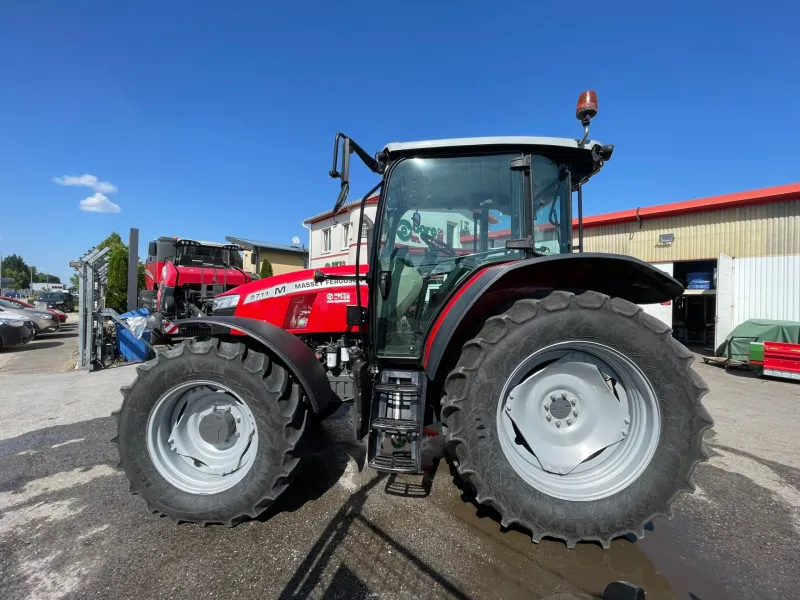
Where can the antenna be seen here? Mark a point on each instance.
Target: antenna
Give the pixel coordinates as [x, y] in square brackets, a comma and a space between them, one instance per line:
[295, 241]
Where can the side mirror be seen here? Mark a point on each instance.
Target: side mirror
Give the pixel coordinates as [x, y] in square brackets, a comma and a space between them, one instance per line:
[151, 249]
[344, 174]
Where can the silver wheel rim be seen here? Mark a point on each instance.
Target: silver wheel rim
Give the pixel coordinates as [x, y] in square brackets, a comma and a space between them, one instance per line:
[578, 421]
[182, 455]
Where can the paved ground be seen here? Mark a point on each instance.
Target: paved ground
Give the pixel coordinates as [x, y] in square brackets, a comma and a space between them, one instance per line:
[48, 352]
[69, 528]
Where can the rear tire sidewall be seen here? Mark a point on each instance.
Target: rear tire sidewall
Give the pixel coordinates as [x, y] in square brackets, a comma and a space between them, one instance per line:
[142, 472]
[629, 508]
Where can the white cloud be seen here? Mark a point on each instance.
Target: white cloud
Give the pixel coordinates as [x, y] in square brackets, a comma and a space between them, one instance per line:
[104, 187]
[99, 203]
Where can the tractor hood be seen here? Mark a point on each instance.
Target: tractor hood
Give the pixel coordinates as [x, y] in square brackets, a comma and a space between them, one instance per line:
[289, 283]
[295, 302]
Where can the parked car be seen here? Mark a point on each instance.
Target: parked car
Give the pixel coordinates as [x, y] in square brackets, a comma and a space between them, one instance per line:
[58, 300]
[15, 330]
[43, 322]
[62, 316]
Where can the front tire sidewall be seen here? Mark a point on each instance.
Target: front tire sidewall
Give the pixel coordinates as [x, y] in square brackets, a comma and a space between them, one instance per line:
[268, 464]
[517, 336]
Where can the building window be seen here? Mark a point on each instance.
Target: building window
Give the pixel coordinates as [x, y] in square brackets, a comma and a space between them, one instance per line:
[364, 230]
[326, 240]
[345, 236]
[451, 234]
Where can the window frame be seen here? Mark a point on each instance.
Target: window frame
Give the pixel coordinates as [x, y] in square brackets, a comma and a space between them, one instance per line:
[327, 237]
[346, 233]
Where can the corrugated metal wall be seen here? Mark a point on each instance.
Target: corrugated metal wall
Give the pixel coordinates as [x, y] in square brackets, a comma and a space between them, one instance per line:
[766, 288]
[771, 229]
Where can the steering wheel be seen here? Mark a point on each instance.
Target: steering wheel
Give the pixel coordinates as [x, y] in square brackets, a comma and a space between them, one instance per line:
[437, 245]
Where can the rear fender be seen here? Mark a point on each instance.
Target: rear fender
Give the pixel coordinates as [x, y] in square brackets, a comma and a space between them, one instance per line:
[288, 348]
[611, 274]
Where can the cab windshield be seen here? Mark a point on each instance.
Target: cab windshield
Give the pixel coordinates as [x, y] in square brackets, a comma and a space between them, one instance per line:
[444, 218]
[209, 255]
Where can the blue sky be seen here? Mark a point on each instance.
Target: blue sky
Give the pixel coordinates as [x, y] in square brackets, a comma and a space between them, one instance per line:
[214, 119]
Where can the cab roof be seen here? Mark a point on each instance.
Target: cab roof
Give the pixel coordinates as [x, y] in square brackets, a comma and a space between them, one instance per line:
[584, 162]
[397, 148]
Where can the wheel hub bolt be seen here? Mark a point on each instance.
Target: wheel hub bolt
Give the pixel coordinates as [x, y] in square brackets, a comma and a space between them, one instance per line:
[547, 407]
[569, 421]
[558, 423]
[574, 413]
[549, 418]
[564, 395]
[573, 402]
[627, 421]
[624, 433]
[552, 396]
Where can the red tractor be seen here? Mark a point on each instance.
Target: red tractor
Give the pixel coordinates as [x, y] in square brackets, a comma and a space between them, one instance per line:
[182, 276]
[565, 407]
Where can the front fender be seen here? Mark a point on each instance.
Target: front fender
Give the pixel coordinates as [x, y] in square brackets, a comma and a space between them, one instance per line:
[611, 274]
[290, 350]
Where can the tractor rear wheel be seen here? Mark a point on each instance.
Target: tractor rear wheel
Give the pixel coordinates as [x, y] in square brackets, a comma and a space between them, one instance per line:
[576, 417]
[210, 432]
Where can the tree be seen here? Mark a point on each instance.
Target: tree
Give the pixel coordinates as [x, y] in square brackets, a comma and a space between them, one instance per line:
[15, 268]
[45, 277]
[74, 281]
[140, 281]
[117, 286]
[112, 240]
[266, 269]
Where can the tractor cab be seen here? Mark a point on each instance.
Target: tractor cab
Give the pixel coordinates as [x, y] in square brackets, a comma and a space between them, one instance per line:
[452, 207]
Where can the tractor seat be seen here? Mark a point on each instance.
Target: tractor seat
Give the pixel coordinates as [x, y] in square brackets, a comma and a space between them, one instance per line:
[405, 287]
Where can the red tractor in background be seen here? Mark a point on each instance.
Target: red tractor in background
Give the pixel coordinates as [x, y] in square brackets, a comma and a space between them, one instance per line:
[566, 408]
[182, 276]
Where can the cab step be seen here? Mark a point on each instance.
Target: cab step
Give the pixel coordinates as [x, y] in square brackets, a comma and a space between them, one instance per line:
[396, 425]
[396, 463]
[396, 428]
[397, 388]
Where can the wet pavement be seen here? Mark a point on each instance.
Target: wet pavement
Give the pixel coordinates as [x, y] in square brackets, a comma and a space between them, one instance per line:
[69, 528]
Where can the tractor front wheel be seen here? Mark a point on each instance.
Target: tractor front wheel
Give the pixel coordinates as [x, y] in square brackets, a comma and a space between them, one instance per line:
[576, 417]
[210, 432]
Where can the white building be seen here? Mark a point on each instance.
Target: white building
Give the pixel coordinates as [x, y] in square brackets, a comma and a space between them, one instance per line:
[332, 239]
[48, 287]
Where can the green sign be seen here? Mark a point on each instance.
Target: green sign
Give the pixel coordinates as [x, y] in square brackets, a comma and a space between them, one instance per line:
[406, 231]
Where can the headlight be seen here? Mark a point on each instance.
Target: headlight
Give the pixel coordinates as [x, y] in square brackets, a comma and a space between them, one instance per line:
[45, 316]
[13, 322]
[226, 301]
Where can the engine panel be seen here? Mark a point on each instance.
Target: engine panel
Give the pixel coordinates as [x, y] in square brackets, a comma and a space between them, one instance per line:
[296, 303]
